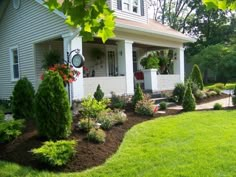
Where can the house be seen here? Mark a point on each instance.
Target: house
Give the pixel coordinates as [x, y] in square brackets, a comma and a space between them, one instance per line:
[28, 31]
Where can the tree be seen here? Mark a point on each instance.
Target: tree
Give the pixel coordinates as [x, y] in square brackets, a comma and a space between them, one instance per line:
[173, 13]
[92, 17]
[220, 4]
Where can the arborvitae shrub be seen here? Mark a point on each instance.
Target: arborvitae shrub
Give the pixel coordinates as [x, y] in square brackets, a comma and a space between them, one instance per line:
[98, 95]
[189, 102]
[196, 77]
[178, 92]
[53, 115]
[22, 99]
[138, 95]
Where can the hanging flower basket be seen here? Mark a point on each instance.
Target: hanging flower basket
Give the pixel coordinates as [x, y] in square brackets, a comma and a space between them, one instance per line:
[67, 72]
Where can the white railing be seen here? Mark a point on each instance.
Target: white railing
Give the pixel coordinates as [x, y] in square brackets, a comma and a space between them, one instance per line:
[108, 85]
[167, 82]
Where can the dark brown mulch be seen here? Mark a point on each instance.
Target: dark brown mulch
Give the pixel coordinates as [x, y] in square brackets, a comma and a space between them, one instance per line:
[88, 154]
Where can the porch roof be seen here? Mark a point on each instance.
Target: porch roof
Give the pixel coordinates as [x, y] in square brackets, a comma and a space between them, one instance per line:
[153, 27]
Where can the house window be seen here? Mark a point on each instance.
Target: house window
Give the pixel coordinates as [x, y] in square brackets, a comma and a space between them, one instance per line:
[14, 59]
[131, 6]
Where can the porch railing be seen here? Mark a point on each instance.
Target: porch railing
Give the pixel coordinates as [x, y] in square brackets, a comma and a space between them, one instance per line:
[167, 82]
[108, 85]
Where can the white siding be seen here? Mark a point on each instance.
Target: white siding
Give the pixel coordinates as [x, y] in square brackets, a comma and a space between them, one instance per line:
[131, 16]
[25, 27]
[108, 85]
[167, 82]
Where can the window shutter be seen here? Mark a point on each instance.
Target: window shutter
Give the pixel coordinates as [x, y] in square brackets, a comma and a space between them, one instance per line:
[119, 4]
[142, 7]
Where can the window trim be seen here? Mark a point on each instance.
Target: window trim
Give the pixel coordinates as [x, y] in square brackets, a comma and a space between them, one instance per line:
[131, 7]
[12, 62]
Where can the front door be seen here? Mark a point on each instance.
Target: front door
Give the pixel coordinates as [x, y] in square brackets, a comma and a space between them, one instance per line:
[112, 62]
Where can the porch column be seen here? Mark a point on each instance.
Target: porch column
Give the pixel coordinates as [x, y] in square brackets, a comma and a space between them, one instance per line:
[179, 63]
[125, 64]
[78, 85]
[71, 42]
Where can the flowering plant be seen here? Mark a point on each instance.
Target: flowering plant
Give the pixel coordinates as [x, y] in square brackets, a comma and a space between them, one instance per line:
[67, 72]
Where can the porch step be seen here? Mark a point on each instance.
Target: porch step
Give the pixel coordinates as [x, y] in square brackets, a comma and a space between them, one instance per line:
[159, 100]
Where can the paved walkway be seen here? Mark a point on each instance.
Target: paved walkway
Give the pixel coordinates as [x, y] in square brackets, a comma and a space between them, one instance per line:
[225, 102]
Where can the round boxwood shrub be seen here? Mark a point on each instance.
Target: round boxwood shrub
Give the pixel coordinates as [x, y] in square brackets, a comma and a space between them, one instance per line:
[178, 92]
[189, 103]
[98, 95]
[53, 115]
[196, 77]
[86, 124]
[217, 106]
[138, 95]
[22, 99]
[163, 105]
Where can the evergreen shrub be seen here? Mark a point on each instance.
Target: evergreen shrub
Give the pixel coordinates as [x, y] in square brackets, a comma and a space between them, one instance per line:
[53, 115]
[138, 95]
[189, 102]
[96, 136]
[178, 92]
[22, 99]
[98, 95]
[196, 77]
[55, 153]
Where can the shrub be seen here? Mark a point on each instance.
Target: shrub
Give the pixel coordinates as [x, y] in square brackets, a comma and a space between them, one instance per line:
[178, 92]
[200, 94]
[119, 117]
[23, 99]
[5, 106]
[215, 89]
[220, 86]
[189, 102]
[118, 101]
[53, 115]
[217, 106]
[55, 153]
[212, 93]
[86, 124]
[194, 87]
[138, 95]
[96, 136]
[98, 95]
[105, 119]
[163, 105]
[9, 130]
[196, 77]
[91, 107]
[145, 107]
[150, 62]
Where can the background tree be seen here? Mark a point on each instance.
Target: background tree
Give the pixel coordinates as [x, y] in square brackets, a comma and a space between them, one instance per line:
[92, 17]
[221, 4]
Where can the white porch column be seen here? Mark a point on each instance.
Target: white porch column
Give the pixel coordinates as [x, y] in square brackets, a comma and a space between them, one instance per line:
[78, 85]
[179, 63]
[125, 64]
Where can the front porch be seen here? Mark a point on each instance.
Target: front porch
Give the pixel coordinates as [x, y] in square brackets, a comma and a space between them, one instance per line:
[112, 65]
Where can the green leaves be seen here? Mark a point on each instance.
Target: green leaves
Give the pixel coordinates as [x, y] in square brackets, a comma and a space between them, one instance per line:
[94, 18]
[220, 4]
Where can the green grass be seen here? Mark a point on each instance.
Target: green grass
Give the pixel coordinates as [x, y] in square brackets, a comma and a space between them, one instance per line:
[197, 144]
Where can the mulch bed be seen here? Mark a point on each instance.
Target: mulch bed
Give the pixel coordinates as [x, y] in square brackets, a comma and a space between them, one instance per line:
[88, 154]
[213, 98]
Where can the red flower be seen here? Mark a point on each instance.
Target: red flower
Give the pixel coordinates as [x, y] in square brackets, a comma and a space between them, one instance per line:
[42, 76]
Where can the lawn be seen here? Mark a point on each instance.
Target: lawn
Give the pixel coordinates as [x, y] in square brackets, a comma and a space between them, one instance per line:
[228, 86]
[191, 144]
